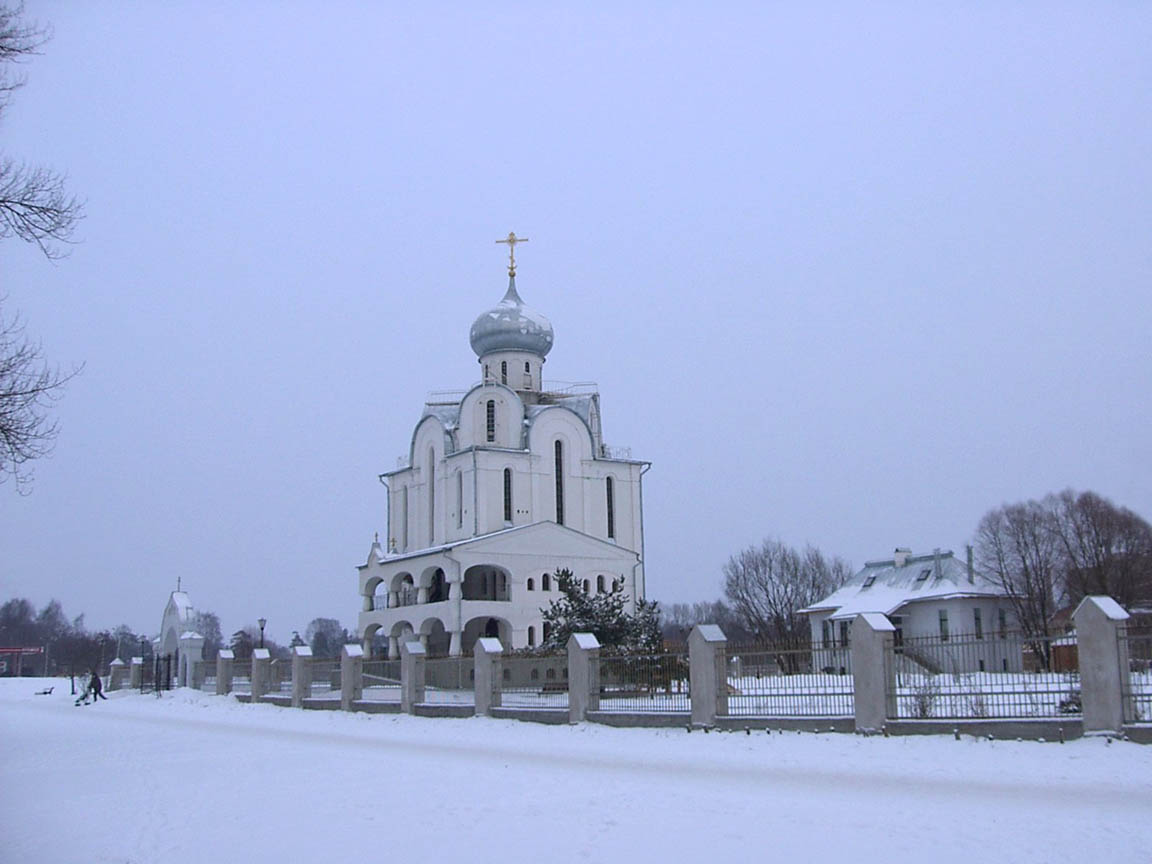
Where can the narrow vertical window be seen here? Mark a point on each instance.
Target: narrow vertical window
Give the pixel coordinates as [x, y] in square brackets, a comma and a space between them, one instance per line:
[531, 638]
[491, 419]
[507, 494]
[486, 375]
[978, 620]
[844, 634]
[404, 515]
[503, 371]
[559, 448]
[431, 496]
[610, 501]
[459, 499]
[943, 625]
[599, 584]
[546, 582]
[1003, 623]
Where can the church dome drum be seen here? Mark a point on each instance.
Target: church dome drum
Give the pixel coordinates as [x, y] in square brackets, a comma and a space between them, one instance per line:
[511, 326]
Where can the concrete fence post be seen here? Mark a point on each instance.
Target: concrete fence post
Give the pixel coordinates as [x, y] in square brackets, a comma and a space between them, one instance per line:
[261, 666]
[136, 673]
[488, 675]
[301, 675]
[872, 674]
[707, 673]
[583, 676]
[1103, 664]
[224, 671]
[412, 657]
[351, 675]
[116, 674]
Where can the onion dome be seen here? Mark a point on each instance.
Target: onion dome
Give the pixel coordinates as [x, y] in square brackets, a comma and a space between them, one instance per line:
[511, 326]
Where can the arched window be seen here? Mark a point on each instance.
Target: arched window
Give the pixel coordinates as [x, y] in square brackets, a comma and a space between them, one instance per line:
[459, 499]
[404, 515]
[531, 637]
[491, 418]
[531, 584]
[486, 375]
[610, 501]
[599, 584]
[508, 495]
[503, 371]
[559, 451]
[547, 630]
[546, 582]
[527, 368]
[431, 497]
[587, 587]
[535, 674]
[550, 674]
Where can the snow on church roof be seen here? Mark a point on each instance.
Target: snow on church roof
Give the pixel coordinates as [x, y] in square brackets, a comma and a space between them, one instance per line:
[882, 586]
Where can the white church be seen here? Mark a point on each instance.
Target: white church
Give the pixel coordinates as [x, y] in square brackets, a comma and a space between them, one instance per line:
[505, 483]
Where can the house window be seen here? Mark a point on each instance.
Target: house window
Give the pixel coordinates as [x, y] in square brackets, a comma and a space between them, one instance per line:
[491, 418]
[531, 584]
[507, 674]
[587, 587]
[503, 371]
[844, 634]
[1003, 622]
[981, 665]
[826, 632]
[923, 577]
[978, 621]
[559, 464]
[547, 628]
[508, 495]
[531, 632]
[546, 582]
[943, 625]
[869, 582]
[610, 496]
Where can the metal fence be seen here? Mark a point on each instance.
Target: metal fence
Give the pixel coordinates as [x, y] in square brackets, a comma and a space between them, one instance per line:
[1136, 651]
[325, 677]
[280, 677]
[204, 671]
[1001, 675]
[241, 676]
[535, 682]
[381, 679]
[449, 680]
[764, 681]
[651, 683]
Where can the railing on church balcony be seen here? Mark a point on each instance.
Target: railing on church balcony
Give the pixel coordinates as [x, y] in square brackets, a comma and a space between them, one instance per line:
[609, 452]
[407, 597]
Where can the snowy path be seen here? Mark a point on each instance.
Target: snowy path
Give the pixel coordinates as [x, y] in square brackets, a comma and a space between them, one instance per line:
[193, 778]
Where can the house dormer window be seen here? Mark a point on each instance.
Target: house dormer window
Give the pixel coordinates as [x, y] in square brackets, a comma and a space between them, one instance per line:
[923, 577]
[869, 582]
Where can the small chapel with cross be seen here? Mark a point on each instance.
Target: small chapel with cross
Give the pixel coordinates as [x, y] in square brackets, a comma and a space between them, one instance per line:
[504, 483]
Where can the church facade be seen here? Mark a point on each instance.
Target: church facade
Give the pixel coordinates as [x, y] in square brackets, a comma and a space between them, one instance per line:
[504, 484]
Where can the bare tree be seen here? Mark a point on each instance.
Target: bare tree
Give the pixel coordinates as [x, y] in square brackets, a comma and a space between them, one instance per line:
[35, 208]
[1107, 549]
[768, 585]
[1017, 548]
[28, 386]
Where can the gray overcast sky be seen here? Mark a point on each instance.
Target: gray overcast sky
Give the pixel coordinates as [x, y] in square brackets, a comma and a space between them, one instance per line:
[846, 275]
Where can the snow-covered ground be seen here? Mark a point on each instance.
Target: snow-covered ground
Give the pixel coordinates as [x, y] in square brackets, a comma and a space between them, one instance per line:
[190, 777]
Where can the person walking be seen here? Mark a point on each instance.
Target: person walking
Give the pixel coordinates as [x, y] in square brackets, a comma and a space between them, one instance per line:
[96, 687]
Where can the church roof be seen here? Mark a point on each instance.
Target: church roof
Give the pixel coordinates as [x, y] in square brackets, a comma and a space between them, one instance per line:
[511, 326]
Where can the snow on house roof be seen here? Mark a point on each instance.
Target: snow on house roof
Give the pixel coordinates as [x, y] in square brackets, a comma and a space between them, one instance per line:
[883, 587]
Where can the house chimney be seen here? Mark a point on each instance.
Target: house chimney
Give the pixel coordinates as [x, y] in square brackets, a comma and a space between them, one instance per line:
[936, 562]
[900, 557]
[971, 569]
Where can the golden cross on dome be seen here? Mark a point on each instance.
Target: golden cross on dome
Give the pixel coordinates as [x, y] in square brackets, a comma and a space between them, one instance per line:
[512, 240]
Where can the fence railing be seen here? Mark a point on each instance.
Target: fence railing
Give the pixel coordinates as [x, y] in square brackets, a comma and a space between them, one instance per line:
[788, 682]
[649, 683]
[241, 676]
[962, 676]
[280, 676]
[1136, 651]
[381, 679]
[325, 676]
[450, 679]
[535, 682]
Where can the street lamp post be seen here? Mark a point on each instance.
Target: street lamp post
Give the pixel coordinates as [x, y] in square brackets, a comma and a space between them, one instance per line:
[261, 622]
